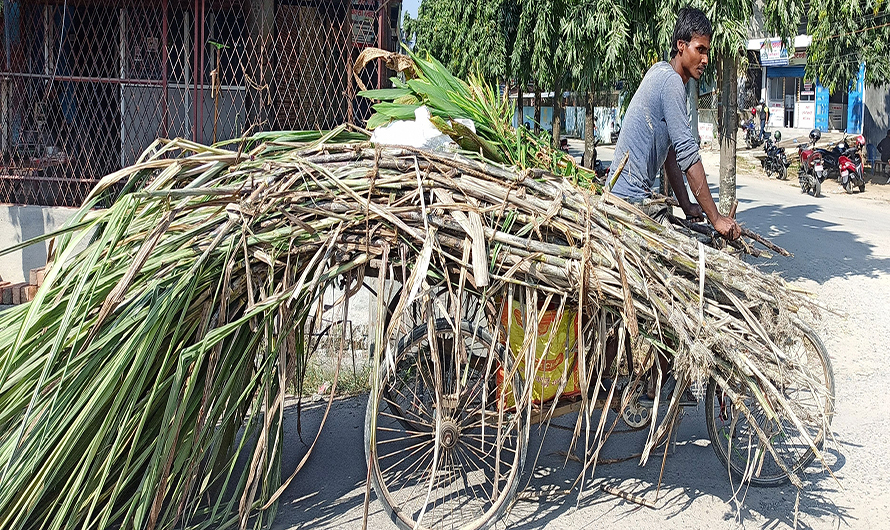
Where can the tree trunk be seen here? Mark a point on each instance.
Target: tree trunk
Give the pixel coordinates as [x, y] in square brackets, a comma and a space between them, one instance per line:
[519, 105]
[589, 133]
[556, 122]
[728, 127]
[537, 109]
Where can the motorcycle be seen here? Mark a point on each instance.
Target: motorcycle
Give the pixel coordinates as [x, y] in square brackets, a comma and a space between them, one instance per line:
[752, 137]
[812, 169]
[776, 160]
[849, 162]
[601, 169]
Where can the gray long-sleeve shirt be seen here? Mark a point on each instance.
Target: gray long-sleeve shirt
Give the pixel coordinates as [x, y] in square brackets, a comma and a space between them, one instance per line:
[655, 120]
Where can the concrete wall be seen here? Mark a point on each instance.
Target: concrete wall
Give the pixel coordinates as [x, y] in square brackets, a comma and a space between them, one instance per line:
[876, 120]
[20, 223]
[606, 119]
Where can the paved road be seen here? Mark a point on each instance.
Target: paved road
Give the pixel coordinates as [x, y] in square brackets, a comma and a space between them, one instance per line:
[842, 252]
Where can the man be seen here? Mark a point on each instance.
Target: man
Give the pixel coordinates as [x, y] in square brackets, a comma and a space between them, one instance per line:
[884, 148]
[762, 112]
[655, 133]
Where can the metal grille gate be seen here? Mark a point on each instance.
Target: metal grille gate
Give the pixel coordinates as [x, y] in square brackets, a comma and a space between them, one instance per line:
[86, 85]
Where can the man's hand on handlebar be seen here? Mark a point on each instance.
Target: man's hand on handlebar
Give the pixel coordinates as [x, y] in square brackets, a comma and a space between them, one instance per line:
[694, 213]
[728, 227]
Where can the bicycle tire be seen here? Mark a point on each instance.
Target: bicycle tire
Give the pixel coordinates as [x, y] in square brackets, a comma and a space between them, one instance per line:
[466, 488]
[729, 424]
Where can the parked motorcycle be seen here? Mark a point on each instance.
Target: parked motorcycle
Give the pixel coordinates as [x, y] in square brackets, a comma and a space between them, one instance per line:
[776, 160]
[601, 169]
[844, 162]
[752, 137]
[812, 169]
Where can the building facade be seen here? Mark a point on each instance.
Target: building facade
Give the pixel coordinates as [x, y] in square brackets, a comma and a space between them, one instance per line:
[86, 86]
[801, 103]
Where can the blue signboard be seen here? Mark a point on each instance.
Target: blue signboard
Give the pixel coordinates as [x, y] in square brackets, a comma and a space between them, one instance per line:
[854, 107]
[821, 107]
[773, 53]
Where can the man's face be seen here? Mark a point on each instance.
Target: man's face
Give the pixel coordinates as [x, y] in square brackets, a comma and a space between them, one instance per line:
[694, 55]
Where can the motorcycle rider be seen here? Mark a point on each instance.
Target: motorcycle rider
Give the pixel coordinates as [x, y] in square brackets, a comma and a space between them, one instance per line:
[656, 132]
[761, 111]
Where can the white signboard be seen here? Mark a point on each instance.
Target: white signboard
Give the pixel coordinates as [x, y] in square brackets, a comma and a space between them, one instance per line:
[706, 131]
[773, 53]
[837, 113]
[807, 114]
[776, 115]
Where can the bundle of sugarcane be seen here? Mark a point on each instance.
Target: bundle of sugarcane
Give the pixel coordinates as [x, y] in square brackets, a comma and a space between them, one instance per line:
[449, 98]
[159, 349]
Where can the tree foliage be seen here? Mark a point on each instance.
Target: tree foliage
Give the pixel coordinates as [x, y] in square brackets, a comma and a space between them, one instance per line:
[466, 35]
[846, 34]
[592, 45]
[610, 42]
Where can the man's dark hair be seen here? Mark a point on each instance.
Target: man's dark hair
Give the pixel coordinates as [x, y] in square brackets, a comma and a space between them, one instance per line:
[690, 22]
[888, 132]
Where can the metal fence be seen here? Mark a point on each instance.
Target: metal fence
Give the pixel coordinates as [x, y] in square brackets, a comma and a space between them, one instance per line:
[88, 85]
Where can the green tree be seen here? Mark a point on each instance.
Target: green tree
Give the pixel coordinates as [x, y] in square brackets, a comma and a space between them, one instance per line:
[466, 36]
[549, 56]
[605, 44]
[591, 46]
[537, 54]
[845, 35]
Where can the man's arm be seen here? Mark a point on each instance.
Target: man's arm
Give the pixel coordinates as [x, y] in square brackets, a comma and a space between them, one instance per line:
[687, 158]
[698, 183]
[675, 178]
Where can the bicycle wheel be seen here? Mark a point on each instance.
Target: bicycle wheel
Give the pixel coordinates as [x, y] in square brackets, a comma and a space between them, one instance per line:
[735, 441]
[472, 308]
[444, 451]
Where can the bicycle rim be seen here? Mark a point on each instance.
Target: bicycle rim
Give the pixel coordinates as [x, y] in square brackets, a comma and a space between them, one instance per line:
[737, 444]
[444, 451]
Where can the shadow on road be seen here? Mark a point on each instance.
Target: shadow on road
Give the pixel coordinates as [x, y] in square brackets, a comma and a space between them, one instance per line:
[329, 491]
[822, 249]
[691, 471]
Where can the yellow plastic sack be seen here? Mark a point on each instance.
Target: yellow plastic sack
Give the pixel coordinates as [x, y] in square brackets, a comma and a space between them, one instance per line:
[553, 362]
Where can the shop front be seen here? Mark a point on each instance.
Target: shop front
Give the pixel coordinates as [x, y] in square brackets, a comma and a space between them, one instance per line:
[800, 103]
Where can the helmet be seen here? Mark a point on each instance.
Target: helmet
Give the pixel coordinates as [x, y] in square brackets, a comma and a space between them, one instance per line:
[815, 135]
[860, 140]
[762, 101]
[777, 135]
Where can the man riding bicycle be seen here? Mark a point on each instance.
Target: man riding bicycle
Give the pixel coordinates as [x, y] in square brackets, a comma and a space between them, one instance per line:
[656, 133]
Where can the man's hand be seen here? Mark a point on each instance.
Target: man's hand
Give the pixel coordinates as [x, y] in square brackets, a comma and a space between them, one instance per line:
[727, 227]
[694, 213]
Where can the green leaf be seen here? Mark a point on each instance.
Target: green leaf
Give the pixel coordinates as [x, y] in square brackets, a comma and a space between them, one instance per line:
[387, 94]
[396, 111]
